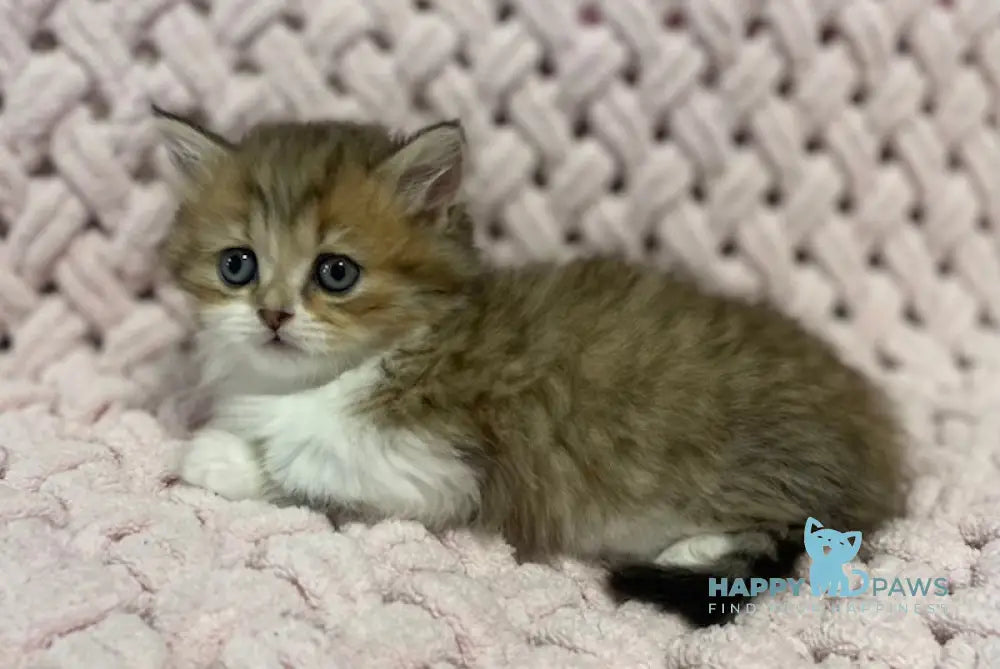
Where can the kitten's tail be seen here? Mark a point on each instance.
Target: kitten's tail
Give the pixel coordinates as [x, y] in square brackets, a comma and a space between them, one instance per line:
[685, 591]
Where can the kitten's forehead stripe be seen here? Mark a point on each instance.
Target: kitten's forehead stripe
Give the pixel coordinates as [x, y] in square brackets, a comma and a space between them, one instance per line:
[292, 168]
[307, 199]
[261, 204]
[259, 195]
[331, 166]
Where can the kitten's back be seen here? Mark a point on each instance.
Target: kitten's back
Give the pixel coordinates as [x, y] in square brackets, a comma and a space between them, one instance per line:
[608, 386]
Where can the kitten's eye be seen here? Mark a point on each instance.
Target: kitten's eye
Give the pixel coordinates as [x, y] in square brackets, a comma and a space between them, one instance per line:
[238, 267]
[336, 273]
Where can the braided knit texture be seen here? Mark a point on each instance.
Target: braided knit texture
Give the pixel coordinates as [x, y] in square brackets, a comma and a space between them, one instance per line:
[840, 158]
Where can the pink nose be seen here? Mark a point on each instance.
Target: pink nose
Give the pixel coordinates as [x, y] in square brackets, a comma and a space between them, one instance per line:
[273, 318]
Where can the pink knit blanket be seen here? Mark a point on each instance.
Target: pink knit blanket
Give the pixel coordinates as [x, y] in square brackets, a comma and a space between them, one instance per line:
[839, 158]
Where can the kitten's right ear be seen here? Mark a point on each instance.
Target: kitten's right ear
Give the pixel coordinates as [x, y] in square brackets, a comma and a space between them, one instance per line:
[812, 524]
[426, 171]
[192, 149]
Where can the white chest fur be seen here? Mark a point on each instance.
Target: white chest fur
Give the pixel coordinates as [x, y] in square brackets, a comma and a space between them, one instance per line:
[317, 444]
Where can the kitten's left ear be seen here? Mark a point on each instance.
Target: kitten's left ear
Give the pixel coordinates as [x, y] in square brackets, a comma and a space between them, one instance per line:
[426, 172]
[192, 148]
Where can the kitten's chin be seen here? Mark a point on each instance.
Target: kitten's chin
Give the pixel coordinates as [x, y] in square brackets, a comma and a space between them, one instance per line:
[284, 360]
[266, 367]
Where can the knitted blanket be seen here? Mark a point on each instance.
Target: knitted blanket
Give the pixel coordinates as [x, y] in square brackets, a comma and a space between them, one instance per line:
[840, 158]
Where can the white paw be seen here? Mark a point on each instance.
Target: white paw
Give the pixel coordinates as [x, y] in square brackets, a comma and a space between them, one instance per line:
[697, 551]
[223, 463]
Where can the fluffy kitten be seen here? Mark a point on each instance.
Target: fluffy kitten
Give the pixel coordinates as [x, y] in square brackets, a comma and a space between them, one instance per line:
[366, 361]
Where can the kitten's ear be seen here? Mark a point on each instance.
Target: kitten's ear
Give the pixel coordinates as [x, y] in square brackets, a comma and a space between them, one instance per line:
[426, 172]
[192, 149]
[812, 524]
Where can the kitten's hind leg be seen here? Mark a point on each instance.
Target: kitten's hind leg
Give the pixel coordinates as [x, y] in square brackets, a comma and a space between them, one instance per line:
[223, 463]
[703, 550]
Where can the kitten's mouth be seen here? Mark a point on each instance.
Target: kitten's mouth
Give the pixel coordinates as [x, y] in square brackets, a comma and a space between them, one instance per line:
[826, 550]
[276, 343]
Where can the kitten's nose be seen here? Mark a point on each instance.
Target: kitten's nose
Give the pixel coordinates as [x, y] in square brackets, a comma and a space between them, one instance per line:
[273, 318]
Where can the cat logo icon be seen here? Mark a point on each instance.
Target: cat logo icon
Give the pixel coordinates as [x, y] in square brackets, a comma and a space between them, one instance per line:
[830, 550]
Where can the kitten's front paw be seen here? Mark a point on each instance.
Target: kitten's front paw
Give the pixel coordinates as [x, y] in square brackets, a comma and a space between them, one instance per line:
[223, 463]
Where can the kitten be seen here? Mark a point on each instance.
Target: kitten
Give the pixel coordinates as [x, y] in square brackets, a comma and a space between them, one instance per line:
[365, 361]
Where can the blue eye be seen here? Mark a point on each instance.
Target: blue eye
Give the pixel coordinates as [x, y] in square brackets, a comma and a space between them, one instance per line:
[238, 267]
[336, 273]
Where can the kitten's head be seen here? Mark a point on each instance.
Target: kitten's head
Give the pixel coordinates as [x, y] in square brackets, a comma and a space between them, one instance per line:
[308, 246]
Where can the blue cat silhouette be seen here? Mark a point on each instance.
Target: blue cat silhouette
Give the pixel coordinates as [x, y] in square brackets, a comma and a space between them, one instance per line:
[830, 550]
